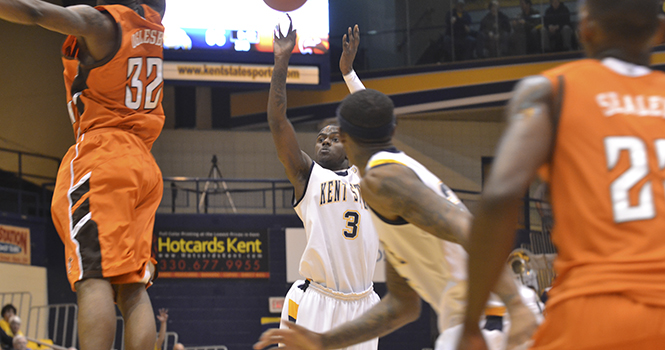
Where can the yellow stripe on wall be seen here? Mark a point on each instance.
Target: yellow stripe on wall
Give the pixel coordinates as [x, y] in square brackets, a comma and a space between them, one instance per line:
[268, 320]
[256, 102]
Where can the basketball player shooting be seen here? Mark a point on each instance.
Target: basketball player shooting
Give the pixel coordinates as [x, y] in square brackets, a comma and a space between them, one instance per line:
[342, 246]
[422, 244]
[108, 186]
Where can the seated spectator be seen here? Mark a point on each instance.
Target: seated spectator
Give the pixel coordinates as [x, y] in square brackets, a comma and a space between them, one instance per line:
[493, 38]
[458, 43]
[161, 335]
[526, 38]
[7, 312]
[558, 31]
[20, 343]
[15, 326]
[178, 346]
[5, 340]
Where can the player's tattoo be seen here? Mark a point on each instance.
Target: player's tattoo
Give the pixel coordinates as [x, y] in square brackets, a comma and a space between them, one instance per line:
[433, 213]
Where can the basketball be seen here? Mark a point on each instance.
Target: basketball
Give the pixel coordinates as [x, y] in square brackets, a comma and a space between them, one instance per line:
[285, 5]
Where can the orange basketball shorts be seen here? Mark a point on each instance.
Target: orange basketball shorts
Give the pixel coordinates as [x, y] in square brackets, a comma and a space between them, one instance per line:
[107, 191]
[606, 321]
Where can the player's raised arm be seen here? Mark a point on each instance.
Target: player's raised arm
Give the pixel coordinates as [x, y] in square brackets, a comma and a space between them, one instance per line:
[400, 306]
[296, 162]
[83, 21]
[529, 134]
[350, 43]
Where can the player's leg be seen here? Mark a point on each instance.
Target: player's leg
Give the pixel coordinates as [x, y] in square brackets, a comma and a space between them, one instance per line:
[136, 309]
[96, 314]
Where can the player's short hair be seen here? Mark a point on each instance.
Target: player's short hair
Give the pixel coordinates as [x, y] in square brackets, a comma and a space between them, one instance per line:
[329, 127]
[367, 115]
[628, 20]
[8, 307]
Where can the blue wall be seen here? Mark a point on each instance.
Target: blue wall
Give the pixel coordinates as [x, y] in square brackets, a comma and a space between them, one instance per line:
[216, 311]
[228, 312]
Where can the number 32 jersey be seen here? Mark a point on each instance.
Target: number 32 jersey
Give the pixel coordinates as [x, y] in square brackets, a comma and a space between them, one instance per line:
[123, 90]
[607, 176]
[342, 245]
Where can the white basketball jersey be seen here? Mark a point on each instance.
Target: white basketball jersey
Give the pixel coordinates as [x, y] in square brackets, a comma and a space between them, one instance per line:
[342, 245]
[434, 268]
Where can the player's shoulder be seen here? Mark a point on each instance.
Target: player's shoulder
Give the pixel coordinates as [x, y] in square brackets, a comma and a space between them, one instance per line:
[570, 67]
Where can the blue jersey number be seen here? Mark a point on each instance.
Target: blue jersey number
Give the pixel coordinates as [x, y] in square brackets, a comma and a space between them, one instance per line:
[352, 219]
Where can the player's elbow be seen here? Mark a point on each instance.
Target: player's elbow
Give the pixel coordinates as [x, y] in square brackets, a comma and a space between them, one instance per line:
[506, 188]
[412, 312]
[409, 309]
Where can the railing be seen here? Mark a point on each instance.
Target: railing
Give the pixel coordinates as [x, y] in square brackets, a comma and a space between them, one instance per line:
[214, 195]
[27, 198]
[22, 301]
[58, 322]
[19, 168]
[211, 347]
[169, 344]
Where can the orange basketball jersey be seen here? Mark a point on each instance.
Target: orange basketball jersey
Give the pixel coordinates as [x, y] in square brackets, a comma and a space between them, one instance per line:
[99, 97]
[607, 181]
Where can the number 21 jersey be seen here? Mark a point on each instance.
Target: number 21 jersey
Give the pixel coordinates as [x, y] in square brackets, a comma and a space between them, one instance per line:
[607, 180]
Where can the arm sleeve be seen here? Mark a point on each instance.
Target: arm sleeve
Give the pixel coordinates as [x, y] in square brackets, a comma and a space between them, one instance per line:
[353, 82]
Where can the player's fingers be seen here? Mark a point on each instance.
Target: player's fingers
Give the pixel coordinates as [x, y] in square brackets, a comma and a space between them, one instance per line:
[344, 43]
[290, 23]
[268, 338]
[356, 32]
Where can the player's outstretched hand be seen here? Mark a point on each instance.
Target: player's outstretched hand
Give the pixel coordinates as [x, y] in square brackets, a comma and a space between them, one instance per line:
[293, 338]
[283, 45]
[350, 43]
[163, 315]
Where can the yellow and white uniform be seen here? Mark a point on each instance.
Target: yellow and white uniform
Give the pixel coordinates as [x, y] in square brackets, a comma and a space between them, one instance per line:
[340, 255]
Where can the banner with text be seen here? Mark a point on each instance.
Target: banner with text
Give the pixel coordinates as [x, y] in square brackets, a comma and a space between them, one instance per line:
[238, 73]
[208, 254]
[15, 244]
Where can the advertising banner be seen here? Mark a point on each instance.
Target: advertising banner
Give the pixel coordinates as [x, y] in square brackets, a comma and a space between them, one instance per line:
[210, 254]
[238, 73]
[15, 244]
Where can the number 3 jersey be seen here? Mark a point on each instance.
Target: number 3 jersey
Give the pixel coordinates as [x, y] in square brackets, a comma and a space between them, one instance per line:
[124, 90]
[342, 245]
[607, 179]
